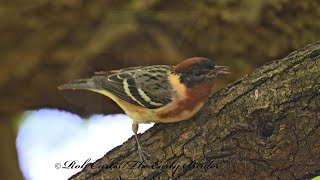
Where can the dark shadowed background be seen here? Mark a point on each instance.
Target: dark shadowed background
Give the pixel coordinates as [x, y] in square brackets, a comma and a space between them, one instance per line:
[46, 43]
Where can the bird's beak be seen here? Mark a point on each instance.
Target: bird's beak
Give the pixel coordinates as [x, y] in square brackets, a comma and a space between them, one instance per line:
[218, 70]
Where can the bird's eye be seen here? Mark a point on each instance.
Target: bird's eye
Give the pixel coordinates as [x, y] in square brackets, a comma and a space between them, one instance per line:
[197, 73]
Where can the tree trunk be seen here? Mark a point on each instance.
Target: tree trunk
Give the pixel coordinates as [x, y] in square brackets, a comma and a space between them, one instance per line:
[265, 125]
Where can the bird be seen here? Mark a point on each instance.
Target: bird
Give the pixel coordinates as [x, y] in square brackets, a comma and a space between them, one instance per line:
[155, 93]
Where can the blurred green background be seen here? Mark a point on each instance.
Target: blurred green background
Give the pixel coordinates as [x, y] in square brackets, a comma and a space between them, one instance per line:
[46, 43]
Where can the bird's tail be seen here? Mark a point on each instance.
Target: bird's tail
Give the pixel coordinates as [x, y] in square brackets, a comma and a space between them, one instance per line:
[79, 84]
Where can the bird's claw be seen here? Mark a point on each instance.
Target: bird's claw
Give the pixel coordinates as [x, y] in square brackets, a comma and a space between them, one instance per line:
[144, 156]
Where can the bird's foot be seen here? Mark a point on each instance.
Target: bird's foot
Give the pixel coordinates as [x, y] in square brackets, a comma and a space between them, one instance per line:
[144, 156]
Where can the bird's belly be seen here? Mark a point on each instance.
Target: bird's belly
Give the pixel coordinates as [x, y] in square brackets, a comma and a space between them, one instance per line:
[167, 114]
[180, 114]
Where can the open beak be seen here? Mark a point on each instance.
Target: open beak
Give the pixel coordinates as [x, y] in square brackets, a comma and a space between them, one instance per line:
[219, 70]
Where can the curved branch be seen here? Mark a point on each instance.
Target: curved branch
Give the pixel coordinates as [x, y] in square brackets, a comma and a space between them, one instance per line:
[266, 124]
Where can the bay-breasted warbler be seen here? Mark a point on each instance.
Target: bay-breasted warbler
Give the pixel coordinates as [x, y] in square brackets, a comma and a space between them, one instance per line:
[156, 93]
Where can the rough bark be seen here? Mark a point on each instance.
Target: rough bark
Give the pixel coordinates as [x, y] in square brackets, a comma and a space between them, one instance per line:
[266, 124]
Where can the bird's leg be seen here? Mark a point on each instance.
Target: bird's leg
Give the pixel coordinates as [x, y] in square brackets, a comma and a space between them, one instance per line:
[141, 152]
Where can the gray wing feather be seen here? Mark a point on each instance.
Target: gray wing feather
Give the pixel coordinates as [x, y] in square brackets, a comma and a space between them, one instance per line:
[143, 86]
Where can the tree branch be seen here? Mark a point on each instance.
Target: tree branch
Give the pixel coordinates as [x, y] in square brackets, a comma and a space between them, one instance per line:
[266, 124]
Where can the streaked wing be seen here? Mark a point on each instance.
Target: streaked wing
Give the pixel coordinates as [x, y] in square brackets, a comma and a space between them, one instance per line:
[129, 69]
[143, 86]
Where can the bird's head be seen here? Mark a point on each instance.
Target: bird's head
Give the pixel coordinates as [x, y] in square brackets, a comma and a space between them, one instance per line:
[196, 70]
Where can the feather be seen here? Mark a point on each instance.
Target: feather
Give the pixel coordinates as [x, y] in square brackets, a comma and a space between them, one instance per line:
[143, 86]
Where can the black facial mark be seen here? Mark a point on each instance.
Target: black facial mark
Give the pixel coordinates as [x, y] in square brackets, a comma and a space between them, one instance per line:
[196, 73]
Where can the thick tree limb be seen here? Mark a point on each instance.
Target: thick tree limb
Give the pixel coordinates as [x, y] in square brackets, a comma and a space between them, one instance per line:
[266, 124]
